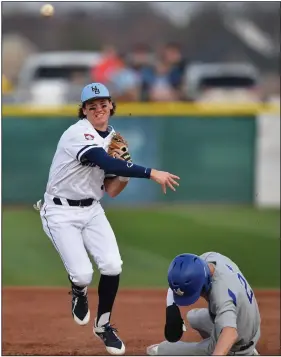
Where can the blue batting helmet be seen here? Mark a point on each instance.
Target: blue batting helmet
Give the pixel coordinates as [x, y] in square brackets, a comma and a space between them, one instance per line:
[94, 91]
[188, 275]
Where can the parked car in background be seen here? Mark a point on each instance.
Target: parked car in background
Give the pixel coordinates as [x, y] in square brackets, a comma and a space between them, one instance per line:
[54, 78]
[222, 82]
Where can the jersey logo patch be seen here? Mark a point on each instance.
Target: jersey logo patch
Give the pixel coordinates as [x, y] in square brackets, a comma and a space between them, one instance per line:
[179, 292]
[89, 137]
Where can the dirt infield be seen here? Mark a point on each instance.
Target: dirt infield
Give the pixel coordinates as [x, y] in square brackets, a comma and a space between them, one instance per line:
[38, 322]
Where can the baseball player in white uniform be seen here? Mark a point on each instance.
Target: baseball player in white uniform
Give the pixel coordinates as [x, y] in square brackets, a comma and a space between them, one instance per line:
[72, 216]
[231, 323]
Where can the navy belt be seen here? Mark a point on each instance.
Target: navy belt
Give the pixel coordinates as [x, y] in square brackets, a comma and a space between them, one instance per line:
[75, 203]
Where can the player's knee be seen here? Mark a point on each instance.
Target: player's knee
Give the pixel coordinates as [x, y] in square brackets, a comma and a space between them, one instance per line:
[82, 279]
[111, 266]
[192, 318]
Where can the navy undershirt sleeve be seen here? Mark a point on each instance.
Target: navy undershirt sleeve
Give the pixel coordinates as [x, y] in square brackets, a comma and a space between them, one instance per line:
[98, 156]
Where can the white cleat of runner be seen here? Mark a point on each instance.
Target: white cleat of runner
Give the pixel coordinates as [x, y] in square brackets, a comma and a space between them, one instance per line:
[255, 353]
[152, 350]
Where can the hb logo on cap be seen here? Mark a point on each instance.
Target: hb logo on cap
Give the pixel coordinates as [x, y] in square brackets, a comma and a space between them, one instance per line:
[95, 89]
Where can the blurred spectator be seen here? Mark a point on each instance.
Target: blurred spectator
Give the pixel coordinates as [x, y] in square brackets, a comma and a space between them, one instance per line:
[173, 57]
[124, 83]
[141, 60]
[113, 71]
[109, 64]
[161, 88]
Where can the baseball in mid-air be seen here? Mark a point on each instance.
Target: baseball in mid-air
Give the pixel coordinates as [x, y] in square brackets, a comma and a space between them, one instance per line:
[47, 10]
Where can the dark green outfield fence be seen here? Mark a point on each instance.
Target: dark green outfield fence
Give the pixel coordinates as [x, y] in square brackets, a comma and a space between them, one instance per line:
[213, 155]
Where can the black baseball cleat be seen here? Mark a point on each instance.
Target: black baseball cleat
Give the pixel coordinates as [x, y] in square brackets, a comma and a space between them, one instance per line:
[80, 309]
[108, 336]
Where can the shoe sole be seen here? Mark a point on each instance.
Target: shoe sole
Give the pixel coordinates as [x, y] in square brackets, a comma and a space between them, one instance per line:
[112, 350]
[152, 350]
[83, 322]
[255, 353]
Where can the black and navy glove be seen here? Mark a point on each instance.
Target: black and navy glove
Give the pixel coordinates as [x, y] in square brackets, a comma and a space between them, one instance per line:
[174, 326]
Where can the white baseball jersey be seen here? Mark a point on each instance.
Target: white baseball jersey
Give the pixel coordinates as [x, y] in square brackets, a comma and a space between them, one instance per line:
[68, 178]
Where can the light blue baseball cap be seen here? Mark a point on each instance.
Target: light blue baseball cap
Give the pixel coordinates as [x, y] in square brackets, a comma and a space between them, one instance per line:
[94, 91]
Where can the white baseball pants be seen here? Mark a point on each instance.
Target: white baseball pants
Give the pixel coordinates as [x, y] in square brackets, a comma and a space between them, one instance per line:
[75, 231]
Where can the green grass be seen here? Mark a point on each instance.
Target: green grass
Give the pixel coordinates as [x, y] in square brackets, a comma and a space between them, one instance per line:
[148, 240]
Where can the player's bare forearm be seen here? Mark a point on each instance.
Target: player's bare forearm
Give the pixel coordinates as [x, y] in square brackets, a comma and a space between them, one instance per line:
[113, 186]
[226, 340]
